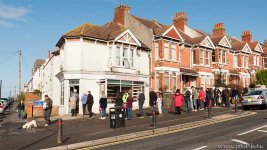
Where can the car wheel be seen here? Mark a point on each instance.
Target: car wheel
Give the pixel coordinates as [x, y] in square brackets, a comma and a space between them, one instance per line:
[245, 107]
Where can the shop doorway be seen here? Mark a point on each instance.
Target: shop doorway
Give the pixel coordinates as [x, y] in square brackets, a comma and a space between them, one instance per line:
[74, 85]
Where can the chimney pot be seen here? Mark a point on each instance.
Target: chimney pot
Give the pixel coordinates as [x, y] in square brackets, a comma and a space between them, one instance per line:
[246, 36]
[120, 12]
[218, 29]
[180, 20]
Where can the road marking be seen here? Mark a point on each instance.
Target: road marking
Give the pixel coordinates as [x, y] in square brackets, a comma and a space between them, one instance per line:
[239, 141]
[200, 148]
[252, 130]
[262, 131]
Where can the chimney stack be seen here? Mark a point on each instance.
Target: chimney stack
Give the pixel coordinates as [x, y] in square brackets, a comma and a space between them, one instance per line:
[180, 20]
[120, 12]
[247, 36]
[48, 55]
[218, 29]
[265, 43]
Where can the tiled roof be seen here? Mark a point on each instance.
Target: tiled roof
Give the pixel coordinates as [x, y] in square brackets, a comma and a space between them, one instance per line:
[188, 71]
[253, 45]
[108, 31]
[198, 40]
[152, 24]
[161, 30]
[264, 50]
[216, 39]
[236, 44]
[39, 62]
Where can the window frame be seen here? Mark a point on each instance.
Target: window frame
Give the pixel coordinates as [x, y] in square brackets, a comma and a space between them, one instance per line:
[201, 57]
[173, 49]
[207, 58]
[166, 50]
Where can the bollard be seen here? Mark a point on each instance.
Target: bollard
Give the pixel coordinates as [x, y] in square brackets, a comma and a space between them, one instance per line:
[235, 104]
[209, 110]
[59, 131]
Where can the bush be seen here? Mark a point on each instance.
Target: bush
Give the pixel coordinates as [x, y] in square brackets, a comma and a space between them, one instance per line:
[261, 77]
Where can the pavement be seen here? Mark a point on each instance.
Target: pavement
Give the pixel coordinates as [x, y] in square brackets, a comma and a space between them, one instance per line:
[82, 129]
[244, 133]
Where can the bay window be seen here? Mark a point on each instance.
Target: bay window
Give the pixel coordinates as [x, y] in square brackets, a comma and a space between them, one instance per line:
[118, 56]
[156, 51]
[166, 50]
[174, 52]
[207, 58]
[202, 57]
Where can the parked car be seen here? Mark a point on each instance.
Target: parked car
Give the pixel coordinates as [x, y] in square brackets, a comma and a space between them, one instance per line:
[2, 107]
[255, 98]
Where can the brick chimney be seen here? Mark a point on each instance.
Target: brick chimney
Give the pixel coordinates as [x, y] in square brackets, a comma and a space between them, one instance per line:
[48, 55]
[265, 43]
[246, 36]
[120, 12]
[218, 29]
[180, 20]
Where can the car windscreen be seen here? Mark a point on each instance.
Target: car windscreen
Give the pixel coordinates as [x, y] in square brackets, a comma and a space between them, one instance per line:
[254, 93]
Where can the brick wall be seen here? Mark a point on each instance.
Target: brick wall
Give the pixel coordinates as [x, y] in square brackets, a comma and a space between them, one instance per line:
[38, 111]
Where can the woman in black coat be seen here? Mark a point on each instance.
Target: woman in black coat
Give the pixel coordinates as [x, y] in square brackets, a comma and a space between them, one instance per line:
[119, 99]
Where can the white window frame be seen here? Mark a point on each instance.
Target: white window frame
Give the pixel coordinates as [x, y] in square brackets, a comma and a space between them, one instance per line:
[174, 51]
[166, 74]
[110, 56]
[243, 61]
[235, 61]
[255, 60]
[220, 55]
[156, 51]
[194, 56]
[118, 56]
[258, 60]
[225, 57]
[166, 50]
[174, 78]
[201, 57]
[157, 83]
[207, 61]
[131, 57]
[247, 61]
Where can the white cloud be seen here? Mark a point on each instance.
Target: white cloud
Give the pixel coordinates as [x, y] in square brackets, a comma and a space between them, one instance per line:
[9, 13]
[6, 24]
[12, 12]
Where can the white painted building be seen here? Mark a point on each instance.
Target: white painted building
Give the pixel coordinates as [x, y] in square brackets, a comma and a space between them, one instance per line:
[105, 58]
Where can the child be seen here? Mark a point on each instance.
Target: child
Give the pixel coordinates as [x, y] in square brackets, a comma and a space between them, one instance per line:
[159, 103]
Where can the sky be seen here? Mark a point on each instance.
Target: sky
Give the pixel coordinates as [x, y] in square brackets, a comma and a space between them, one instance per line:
[35, 26]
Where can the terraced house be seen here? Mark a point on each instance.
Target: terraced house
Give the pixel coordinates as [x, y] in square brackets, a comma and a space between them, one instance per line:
[134, 54]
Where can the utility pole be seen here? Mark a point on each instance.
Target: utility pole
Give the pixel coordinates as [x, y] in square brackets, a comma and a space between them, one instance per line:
[19, 71]
[0, 88]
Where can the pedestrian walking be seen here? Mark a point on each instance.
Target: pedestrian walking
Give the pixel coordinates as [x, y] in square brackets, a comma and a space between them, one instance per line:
[188, 100]
[225, 96]
[201, 97]
[141, 101]
[47, 106]
[152, 102]
[73, 105]
[129, 106]
[119, 99]
[235, 95]
[217, 94]
[159, 103]
[103, 105]
[194, 98]
[20, 109]
[209, 100]
[84, 102]
[90, 103]
[178, 102]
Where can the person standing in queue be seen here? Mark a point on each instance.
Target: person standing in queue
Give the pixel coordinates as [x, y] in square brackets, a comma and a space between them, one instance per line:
[103, 105]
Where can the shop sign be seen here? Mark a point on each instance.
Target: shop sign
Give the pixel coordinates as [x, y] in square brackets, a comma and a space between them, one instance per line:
[122, 77]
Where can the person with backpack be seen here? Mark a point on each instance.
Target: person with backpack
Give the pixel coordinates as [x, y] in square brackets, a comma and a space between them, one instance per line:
[178, 102]
[188, 100]
[47, 106]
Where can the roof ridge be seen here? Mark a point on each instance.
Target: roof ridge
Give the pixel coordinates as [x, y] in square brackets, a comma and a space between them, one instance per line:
[82, 25]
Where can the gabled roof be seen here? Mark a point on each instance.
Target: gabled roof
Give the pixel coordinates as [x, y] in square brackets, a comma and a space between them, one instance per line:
[255, 46]
[237, 45]
[216, 39]
[264, 51]
[108, 31]
[152, 24]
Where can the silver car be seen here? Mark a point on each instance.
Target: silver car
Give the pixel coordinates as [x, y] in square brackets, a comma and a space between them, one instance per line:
[255, 98]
